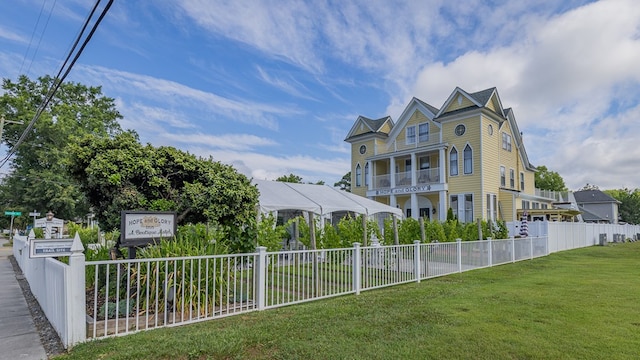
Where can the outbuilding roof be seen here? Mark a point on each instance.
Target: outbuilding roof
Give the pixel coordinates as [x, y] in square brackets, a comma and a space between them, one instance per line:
[318, 199]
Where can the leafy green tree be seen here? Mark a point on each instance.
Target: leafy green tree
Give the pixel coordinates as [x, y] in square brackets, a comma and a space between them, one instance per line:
[121, 174]
[291, 178]
[630, 204]
[344, 183]
[549, 180]
[38, 178]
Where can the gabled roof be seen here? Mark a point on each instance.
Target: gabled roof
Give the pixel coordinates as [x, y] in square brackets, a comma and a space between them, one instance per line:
[480, 99]
[593, 196]
[431, 108]
[372, 126]
[591, 217]
[517, 138]
[415, 104]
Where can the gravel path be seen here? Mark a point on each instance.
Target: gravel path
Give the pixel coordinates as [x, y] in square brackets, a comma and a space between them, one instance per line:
[48, 336]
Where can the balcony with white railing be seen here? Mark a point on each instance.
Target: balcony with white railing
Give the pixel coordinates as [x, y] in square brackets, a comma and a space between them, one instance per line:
[428, 176]
[560, 196]
[382, 181]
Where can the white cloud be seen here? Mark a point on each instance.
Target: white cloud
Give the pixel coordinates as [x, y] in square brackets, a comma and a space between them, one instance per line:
[229, 142]
[561, 79]
[11, 35]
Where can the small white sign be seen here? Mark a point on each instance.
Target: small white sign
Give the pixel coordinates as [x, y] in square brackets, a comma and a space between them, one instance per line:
[50, 248]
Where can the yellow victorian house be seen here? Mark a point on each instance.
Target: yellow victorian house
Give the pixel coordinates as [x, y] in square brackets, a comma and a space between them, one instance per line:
[468, 156]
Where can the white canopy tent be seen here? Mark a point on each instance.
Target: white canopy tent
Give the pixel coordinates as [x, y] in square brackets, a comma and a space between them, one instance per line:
[318, 199]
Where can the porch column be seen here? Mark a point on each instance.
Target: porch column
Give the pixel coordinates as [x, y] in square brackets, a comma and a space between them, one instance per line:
[415, 211]
[413, 170]
[392, 201]
[392, 172]
[442, 205]
[370, 175]
[441, 168]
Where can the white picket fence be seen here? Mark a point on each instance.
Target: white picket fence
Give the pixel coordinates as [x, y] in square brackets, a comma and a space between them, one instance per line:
[126, 296]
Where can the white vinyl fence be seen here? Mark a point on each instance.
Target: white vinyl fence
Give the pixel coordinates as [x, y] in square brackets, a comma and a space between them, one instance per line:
[126, 296]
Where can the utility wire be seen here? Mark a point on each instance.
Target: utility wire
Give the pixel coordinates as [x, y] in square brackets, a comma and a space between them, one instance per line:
[59, 79]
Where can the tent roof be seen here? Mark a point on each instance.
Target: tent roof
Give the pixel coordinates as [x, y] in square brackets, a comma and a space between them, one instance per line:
[319, 199]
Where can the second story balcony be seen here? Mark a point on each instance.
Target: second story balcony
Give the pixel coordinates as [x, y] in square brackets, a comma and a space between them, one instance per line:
[422, 177]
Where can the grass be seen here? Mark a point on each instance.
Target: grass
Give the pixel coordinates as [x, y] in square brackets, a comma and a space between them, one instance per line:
[580, 304]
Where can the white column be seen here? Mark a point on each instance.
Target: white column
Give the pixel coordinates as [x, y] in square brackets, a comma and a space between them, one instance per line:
[442, 205]
[415, 211]
[413, 170]
[393, 201]
[370, 176]
[392, 172]
[442, 166]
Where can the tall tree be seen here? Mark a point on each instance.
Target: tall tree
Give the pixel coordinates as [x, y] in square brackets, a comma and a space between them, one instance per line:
[344, 183]
[549, 180]
[38, 178]
[630, 204]
[122, 174]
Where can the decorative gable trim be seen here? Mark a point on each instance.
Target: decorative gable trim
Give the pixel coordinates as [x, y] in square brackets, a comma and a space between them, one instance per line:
[414, 104]
[453, 97]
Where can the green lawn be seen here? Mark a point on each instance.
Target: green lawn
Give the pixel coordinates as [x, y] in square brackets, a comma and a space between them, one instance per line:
[582, 304]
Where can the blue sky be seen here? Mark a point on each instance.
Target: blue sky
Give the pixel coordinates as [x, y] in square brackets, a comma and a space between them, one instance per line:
[273, 87]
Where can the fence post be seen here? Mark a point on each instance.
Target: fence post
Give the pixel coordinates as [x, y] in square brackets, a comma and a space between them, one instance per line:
[356, 268]
[513, 249]
[76, 296]
[459, 247]
[490, 252]
[416, 259]
[531, 247]
[261, 276]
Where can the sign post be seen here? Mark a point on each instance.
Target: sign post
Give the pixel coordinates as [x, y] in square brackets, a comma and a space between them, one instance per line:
[34, 214]
[12, 213]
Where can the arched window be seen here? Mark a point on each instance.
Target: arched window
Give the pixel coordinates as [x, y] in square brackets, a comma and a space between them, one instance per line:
[366, 174]
[358, 175]
[453, 162]
[468, 159]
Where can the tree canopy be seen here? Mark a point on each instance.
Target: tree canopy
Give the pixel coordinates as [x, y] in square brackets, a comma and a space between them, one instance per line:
[344, 183]
[630, 204]
[291, 178]
[549, 180]
[38, 179]
[119, 173]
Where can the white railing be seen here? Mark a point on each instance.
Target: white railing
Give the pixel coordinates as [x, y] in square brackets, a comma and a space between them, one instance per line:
[382, 181]
[428, 176]
[127, 296]
[560, 196]
[403, 178]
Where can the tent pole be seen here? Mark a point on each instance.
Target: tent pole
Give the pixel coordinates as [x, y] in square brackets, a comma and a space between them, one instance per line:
[364, 230]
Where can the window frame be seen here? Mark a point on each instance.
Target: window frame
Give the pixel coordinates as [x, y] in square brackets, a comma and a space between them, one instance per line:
[421, 135]
[506, 141]
[521, 181]
[512, 178]
[409, 136]
[358, 175]
[503, 176]
[453, 167]
[366, 174]
[469, 170]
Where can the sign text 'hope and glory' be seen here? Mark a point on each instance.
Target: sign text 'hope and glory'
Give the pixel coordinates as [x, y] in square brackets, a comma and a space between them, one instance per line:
[140, 227]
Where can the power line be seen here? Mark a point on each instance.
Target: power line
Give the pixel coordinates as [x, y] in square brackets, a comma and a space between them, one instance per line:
[59, 79]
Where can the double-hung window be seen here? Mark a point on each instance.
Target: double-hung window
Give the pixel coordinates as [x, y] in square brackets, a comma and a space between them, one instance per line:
[503, 176]
[512, 178]
[411, 135]
[358, 175]
[506, 141]
[423, 132]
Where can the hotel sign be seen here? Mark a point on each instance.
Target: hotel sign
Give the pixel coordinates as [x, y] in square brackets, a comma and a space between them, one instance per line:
[138, 228]
[408, 190]
[403, 190]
